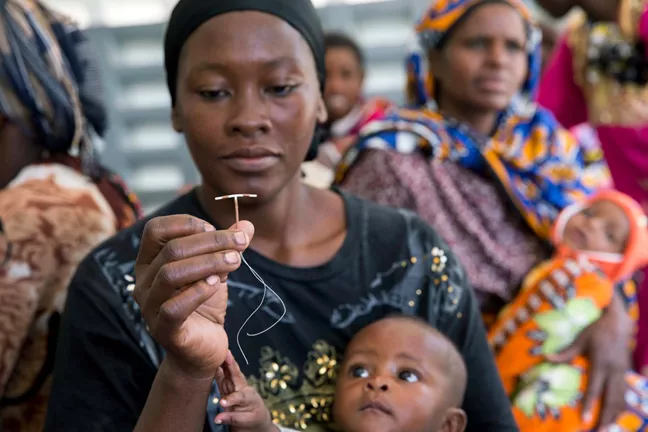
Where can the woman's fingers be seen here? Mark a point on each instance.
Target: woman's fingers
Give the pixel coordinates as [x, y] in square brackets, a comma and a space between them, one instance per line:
[175, 311]
[174, 276]
[198, 244]
[575, 349]
[159, 231]
[594, 391]
[614, 402]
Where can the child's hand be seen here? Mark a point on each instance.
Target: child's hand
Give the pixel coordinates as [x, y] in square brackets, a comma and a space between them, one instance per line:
[244, 408]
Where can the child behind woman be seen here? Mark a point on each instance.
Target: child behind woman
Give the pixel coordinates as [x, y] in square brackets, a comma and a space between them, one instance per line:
[399, 374]
[598, 244]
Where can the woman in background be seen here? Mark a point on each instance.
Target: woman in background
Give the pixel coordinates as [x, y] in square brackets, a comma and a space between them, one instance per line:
[599, 77]
[489, 170]
[348, 110]
[56, 203]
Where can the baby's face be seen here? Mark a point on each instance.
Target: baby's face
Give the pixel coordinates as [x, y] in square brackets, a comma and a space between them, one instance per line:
[601, 227]
[392, 379]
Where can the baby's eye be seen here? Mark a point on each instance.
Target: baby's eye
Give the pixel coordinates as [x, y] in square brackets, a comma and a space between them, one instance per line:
[359, 372]
[409, 376]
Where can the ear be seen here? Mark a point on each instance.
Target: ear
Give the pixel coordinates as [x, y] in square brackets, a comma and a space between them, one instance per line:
[455, 421]
[322, 114]
[435, 62]
[176, 121]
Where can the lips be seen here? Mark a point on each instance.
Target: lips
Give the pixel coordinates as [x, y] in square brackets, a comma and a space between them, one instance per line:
[337, 101]
[376, 407]
[253, 159]
[493, 84]
[251, 153]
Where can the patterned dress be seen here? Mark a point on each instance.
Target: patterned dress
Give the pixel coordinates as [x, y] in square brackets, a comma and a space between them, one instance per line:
[52, 216]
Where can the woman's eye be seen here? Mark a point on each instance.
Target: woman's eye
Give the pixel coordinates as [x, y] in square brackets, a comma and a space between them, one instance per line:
[282, 90]
[359, 372]
[213, 94]
[514, 47]
[476, 43]
[409, 376]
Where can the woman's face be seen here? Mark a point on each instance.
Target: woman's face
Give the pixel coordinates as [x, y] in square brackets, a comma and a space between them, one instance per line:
[248, 101]
[344, 77]
[484, 62]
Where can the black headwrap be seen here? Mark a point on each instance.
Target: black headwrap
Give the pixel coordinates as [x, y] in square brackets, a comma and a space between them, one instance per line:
[188, 15]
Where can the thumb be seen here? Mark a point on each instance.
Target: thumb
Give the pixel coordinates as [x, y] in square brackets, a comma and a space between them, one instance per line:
[246, 227]
[571, 351]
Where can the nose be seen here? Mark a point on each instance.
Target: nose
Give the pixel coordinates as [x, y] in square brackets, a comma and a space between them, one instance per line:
[334, 83]
[596, 224]
[497, 54]
[248, 116]
[377, 384]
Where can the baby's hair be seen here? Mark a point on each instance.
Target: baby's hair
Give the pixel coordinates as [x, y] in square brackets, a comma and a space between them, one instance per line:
[341, 40]
[453, 361]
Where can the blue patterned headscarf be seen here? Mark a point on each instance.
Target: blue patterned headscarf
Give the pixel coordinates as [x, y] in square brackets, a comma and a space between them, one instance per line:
[431, 32]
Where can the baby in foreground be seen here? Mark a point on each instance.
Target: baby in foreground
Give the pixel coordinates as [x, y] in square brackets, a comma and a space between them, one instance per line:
[399, 374]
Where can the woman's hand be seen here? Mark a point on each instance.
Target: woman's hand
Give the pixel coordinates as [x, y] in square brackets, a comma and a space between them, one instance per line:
[606, 345]
[600, 10]
[244, 407]
[181, 272]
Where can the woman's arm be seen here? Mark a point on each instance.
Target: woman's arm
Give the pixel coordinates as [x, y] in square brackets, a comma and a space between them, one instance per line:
[176, 401]
[601, 10]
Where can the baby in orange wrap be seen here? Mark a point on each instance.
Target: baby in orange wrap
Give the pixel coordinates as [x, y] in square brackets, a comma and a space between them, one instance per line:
[599, 243]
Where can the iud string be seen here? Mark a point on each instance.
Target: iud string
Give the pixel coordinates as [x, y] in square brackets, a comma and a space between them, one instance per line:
[266, 287]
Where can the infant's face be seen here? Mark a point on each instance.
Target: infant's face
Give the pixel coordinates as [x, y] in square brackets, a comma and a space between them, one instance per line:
[601, 227]
[392, 379]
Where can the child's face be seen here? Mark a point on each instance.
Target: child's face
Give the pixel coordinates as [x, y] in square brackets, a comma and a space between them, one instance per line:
[393, 379]
[602, 227]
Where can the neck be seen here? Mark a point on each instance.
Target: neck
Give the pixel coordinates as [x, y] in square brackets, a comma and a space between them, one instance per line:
[16, 152]
[480, 120]
[276, 218]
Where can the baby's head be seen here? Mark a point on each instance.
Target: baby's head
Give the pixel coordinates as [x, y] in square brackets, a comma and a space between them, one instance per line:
[611, 228]
[400, 374]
